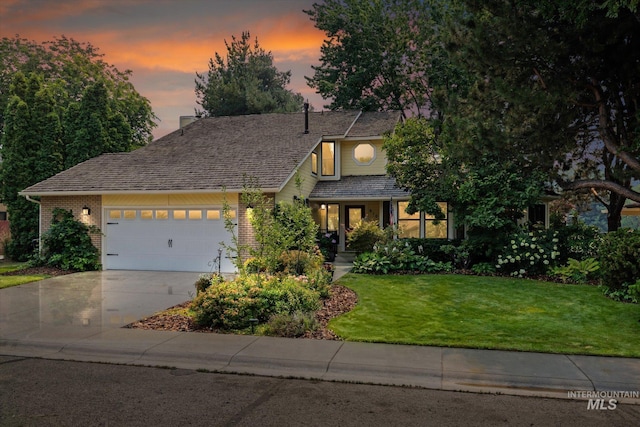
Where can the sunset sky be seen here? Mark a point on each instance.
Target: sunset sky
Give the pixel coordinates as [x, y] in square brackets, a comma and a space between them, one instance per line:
[164, 42]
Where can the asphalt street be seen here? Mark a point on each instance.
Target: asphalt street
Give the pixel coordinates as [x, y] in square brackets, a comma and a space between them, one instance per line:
[40, 392]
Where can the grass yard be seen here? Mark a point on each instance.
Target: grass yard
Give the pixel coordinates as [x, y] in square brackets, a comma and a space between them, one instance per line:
[8, 281]
[489, 312]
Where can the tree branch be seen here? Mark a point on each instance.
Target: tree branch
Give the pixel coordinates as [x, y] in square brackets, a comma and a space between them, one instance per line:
[608, 136]
[601, 184]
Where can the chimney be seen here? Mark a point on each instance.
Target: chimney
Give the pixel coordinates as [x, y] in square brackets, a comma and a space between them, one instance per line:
[306, 117]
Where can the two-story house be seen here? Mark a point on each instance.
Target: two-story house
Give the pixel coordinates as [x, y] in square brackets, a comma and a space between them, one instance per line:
[160, 207]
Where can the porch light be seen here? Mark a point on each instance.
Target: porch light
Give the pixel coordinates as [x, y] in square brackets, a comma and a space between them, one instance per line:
[323, 206]
[86, 211]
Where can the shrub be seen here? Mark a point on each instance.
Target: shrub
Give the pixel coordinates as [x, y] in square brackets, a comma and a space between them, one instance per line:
[291, 325]
[364, 236]
[578, 241]
[483, 268]
[231, 304]
[619, 255]
[206, 280]
[529, 254]
[434, 249]
[577, 271]
[394, 257]
[255, 265]
[298, 262]
[67, 244]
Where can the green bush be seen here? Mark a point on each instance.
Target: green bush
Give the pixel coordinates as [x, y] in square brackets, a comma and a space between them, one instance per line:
[290, 325]
[529, 254]
[577, 271]
[364, 236]
[67, 245]
[231, 304]
[619, 260]
[434, 249]
[578, 241]
[206, 280]
[483, 268]
[298, 262]
[395, 257]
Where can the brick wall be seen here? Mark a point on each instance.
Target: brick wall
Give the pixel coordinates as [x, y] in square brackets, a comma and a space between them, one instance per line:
[75, 204]
[246, 235]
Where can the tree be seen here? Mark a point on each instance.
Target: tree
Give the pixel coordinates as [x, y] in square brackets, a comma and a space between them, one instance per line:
[244, 82]
[488, 194]
[382, 55]
[555, 89]
[31, 135]
[69, 106]
[93, 128]
[71, 66]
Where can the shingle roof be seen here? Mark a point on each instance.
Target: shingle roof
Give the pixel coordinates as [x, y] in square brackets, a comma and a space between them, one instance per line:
[212, 153]
[374, 123]
[358, 187]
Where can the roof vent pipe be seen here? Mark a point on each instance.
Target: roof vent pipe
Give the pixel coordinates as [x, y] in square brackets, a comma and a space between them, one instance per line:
[306, 117]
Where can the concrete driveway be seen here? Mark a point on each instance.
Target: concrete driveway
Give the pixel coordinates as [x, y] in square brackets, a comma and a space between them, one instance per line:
[84, 304]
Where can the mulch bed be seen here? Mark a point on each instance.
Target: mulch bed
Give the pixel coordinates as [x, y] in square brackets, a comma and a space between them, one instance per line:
[341, 300]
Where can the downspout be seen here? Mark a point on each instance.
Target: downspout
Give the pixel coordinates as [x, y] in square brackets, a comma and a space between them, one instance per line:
[39, 219]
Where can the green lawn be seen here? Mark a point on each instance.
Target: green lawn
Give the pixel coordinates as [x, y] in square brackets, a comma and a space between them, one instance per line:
[8, 281]
[489, 312]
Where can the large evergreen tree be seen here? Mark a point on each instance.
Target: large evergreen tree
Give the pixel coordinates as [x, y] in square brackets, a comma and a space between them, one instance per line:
[71, 67]
[556, 87]
[32, 134]
[67, 107]
[245, 81]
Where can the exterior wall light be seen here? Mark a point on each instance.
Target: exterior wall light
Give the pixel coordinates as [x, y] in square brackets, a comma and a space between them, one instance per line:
[86, 211]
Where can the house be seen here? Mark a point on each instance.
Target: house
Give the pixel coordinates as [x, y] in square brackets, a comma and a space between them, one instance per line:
[160, 207]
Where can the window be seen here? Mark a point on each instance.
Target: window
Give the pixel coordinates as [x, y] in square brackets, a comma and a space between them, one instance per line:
[162, 214]
[195, 214]
[179, 214]
[333, 217]
[409, 225]
[364, 154]
[115, 214]
[328, 158]
[437, 229]
[146, 214]
[130, 214]
[213, 215]
[314, 163]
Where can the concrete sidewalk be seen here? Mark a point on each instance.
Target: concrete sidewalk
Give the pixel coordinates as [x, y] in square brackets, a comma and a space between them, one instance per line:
[99, 337]
[486, 371]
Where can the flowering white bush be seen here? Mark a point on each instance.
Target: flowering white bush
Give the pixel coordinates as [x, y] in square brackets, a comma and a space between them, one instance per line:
[529, 254]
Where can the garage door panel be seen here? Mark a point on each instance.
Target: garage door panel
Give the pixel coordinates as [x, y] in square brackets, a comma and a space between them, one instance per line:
[168, 243]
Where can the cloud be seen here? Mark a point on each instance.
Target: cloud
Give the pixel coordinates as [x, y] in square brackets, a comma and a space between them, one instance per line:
[164, 42]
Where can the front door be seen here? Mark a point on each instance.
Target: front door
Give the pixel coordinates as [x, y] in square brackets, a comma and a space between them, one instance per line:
[355, 214]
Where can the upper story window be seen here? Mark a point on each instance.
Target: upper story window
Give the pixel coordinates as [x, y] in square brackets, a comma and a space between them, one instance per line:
[328, 154]
[314, 163]
[364, 154]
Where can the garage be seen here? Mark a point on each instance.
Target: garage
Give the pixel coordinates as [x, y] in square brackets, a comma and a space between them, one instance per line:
[176, 239]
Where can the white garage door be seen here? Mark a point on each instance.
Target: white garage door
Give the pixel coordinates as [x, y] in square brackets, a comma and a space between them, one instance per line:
[165, 239]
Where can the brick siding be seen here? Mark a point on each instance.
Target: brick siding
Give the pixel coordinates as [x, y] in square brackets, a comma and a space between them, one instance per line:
[75, 204]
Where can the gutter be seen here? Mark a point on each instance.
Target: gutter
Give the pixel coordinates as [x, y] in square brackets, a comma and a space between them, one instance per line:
[28, 197]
